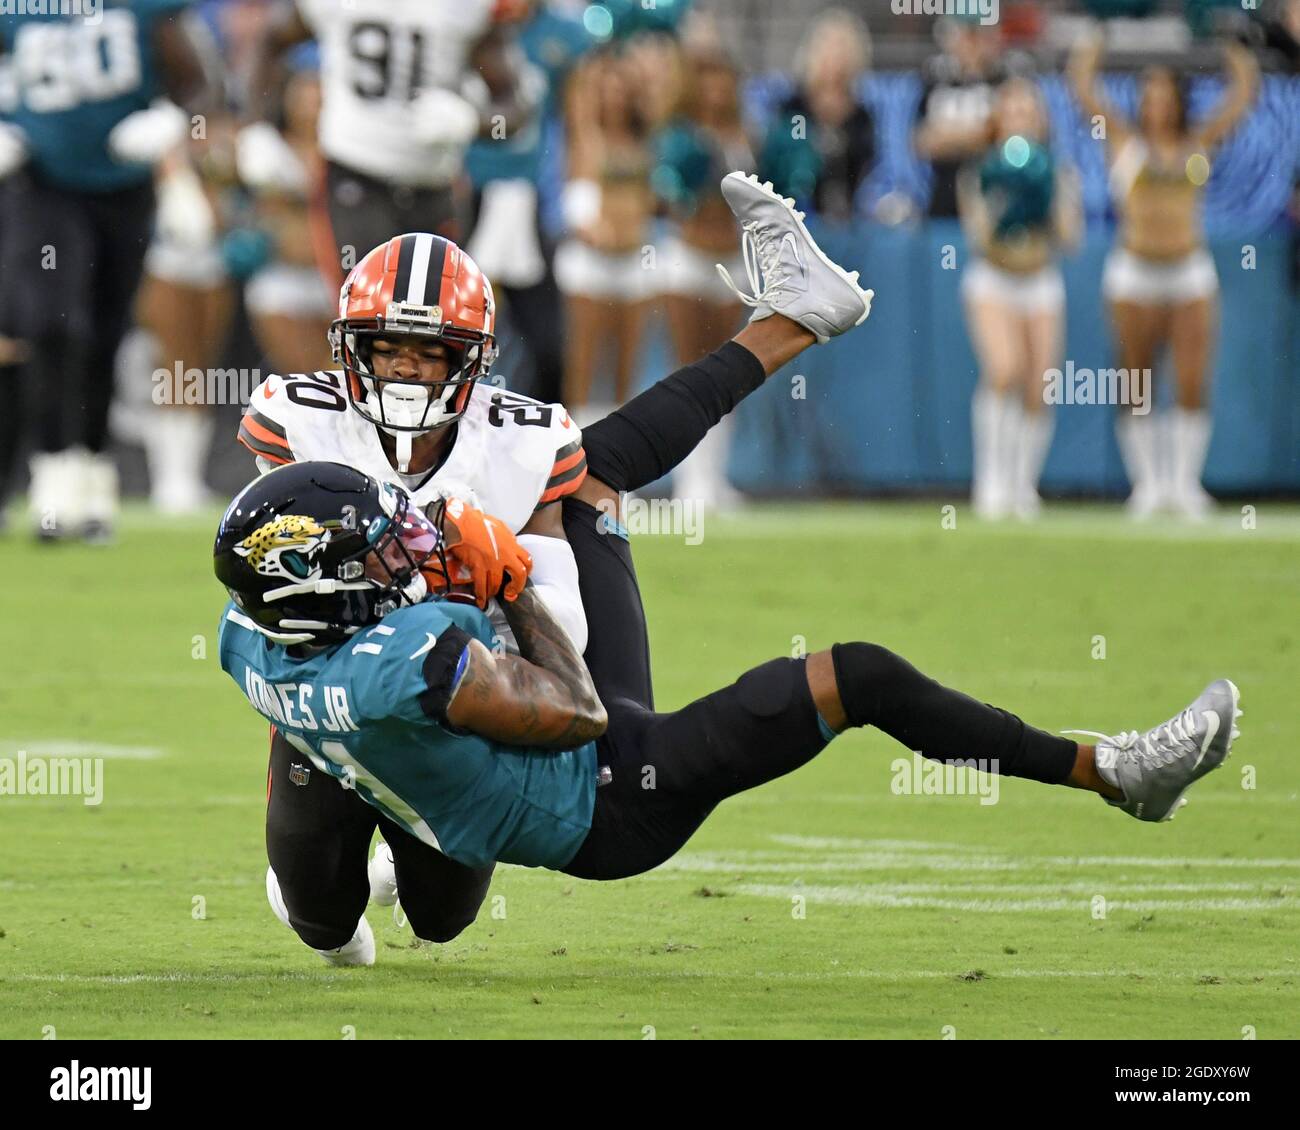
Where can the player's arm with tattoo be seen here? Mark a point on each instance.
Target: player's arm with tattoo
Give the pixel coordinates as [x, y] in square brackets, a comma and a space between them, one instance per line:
[543, 697]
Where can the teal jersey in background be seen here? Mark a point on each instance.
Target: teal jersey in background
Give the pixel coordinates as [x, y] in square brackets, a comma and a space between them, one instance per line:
[689, 164]
[684, 164]
[68, 80]
[357, 711]
[553, 44]
[1018, 178]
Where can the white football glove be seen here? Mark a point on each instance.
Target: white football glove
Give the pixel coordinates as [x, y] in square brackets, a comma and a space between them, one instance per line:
[445, 124]
[146, 136]
[263, 159]
[443, 117]
[13, 149]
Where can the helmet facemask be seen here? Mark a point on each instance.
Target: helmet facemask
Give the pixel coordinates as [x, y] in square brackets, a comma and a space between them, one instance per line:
[399, 554]
[402, 407]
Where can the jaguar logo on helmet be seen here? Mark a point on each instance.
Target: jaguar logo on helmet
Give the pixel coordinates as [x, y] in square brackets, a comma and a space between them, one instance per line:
[287, 546]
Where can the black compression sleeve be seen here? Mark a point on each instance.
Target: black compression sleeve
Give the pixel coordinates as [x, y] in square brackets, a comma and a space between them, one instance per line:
[653, 432]
[881, 689]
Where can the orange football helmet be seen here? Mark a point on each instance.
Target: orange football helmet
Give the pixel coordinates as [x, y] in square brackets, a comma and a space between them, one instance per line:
[419, 284]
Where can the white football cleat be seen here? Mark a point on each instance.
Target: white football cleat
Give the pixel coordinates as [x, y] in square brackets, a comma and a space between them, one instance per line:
[383, 876]
[276, 898]
[100, 497]
[1193, 502]
[788, 273]
[1145, 501]
[1155, 769]
[56, 495]
[358, 950]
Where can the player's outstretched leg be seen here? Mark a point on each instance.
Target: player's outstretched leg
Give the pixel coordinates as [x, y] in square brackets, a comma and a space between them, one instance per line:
[799, 298]
[1144, 774]
[668, 771]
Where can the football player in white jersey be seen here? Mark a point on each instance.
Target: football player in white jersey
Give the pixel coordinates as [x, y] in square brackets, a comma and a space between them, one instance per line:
[406, 85]
[415, 338]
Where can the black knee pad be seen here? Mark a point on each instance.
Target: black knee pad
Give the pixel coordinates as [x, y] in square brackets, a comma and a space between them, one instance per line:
[867, 675]
[323, 920]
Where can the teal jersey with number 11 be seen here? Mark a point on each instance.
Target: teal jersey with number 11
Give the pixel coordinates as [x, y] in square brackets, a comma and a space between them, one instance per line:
[361, 711]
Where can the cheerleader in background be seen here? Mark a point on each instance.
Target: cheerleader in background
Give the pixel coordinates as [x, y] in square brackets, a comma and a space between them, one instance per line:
[185, 305]
[823, 162]
[601, 268]
[1019, 210]
[1159, 281]
[696, 150]
[289, 302]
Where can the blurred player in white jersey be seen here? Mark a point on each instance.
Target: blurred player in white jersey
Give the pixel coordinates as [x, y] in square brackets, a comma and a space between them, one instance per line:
[406, 86]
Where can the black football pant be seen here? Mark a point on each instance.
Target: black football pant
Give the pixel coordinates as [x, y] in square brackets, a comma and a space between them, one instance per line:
[669, 771]
[71, 263]
[363, 212]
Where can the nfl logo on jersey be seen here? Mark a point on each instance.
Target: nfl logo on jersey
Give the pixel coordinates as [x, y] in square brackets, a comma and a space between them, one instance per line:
[299, 774]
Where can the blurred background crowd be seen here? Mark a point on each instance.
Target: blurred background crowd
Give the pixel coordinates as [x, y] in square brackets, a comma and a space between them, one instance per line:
[1021, 190]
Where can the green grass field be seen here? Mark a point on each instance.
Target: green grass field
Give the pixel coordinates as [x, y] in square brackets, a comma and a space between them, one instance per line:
[922, 916]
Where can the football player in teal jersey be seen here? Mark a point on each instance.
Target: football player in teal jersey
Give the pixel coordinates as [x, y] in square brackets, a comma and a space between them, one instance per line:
[89, 105]
[373, 659]
[486, 756]
[318, 835]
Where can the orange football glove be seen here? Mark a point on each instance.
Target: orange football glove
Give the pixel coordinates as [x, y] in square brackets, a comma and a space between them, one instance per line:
[482, 554]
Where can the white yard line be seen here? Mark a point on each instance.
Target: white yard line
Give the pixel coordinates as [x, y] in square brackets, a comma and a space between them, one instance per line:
[923, 850]
[59, 747]
[1274, 523]
[737, 863]
[1099, 886]
[858, 895]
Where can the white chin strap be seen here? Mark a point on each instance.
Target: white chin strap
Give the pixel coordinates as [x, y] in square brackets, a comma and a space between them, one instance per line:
[403, 441]
[403, 408]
